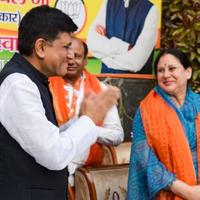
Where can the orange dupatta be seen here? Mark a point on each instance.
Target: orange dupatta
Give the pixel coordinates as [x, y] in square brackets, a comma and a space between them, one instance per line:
[165, 135]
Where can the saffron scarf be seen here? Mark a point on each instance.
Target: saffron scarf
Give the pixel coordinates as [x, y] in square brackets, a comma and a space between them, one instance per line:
[165, 135]
[91, 84]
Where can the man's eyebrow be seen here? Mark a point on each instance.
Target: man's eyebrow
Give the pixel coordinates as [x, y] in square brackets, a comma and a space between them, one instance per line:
[68, 45]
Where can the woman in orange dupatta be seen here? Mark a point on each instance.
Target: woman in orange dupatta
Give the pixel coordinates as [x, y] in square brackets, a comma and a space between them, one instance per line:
[165, 154]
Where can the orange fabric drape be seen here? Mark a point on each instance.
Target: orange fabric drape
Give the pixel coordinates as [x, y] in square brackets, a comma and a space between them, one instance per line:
[165, 135]
[91, 84]
[59, 103]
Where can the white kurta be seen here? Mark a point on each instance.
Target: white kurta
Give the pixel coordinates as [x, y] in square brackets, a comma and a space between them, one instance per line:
[111, 132]
[23, 116]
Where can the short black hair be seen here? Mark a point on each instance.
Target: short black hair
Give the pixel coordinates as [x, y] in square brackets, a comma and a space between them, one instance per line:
[176, 53]
[42, 22]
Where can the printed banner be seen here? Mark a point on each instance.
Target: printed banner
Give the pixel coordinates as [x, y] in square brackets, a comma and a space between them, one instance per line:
[82, 12]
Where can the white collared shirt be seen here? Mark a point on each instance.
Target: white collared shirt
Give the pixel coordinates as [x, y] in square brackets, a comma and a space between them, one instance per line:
[114, 51]
[126, 3]
[111, 132]
[23, 116]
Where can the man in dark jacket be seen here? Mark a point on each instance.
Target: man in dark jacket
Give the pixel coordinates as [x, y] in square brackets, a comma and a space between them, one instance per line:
[33, 152]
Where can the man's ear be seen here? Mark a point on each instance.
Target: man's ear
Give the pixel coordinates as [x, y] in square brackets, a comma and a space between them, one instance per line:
[40, 47]
[85, 61]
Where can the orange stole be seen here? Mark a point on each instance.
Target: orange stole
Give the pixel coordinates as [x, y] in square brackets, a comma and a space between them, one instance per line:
[91, 84]
[58, 93]
[165, 135]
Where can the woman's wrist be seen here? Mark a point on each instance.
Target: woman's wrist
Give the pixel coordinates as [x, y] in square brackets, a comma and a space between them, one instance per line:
[181, 189]
[168, 187]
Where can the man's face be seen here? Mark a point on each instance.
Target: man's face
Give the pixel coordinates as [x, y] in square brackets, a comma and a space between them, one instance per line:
[76, 60]
[56, 52]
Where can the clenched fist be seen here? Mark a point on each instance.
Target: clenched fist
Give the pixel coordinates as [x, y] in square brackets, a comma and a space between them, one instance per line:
[96, 106]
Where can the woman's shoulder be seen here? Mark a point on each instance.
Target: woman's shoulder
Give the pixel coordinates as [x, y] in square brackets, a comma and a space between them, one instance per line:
[193, 94]
[193, 99]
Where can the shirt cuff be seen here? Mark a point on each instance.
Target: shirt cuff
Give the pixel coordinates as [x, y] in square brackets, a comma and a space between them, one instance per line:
[82, 131]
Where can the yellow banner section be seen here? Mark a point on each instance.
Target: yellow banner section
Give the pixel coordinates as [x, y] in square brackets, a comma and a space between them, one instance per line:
[12, 11]
[158, 3]
[82, 12]
[92, 8]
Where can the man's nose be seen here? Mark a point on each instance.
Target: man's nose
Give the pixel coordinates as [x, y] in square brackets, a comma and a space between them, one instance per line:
[70, 55]
[70, 58]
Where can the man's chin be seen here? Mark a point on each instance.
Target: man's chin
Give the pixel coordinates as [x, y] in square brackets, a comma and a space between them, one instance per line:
[70, 75]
